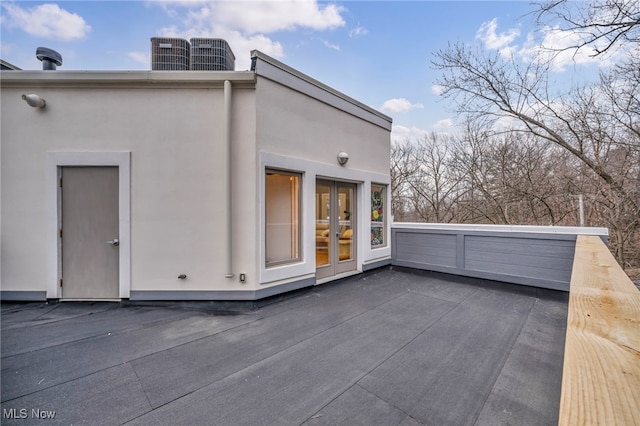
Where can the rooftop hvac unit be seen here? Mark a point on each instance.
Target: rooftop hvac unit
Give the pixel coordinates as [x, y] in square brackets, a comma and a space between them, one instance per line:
[169, 54]
[211, 54]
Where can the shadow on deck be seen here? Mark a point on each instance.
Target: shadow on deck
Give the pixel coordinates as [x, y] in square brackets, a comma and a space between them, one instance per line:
[391, 346]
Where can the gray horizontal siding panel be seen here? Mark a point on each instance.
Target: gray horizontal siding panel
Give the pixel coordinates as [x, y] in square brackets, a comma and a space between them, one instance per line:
[561, 262]
[518, 245]
[524, 257]
[511, 279]
[520, 271]
[434, 249]
[534, 259]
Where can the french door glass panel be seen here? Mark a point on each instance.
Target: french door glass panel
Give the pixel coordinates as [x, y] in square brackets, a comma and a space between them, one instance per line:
[345, 222]
[323, 231]
[335, 228]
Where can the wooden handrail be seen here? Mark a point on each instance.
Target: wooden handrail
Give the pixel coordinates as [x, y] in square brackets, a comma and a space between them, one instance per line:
[601, 373]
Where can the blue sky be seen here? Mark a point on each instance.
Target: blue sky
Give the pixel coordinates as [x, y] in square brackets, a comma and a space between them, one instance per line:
[377, 52]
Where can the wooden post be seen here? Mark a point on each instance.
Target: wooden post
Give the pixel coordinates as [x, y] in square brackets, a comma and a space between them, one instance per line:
[601, 374]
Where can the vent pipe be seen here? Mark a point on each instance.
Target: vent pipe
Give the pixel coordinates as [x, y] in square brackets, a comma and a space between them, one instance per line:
[49, 57]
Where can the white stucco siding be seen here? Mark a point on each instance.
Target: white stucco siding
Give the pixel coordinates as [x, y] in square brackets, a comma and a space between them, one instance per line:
[293, 124]
[24, 251]
[178, 204]
[177, 180]
[246, 211]
[298, 132]
[167, 130]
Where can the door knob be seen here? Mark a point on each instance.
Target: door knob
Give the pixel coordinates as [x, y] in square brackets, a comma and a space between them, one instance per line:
[114, 242]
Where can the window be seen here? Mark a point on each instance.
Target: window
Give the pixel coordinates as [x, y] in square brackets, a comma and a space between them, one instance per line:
[282, 217]
[378, 215]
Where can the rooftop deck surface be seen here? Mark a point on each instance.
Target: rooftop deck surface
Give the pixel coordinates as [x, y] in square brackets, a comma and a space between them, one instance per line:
[392, 346]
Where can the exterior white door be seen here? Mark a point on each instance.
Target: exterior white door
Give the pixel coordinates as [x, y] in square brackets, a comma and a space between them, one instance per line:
[336, 229]
[89, 233]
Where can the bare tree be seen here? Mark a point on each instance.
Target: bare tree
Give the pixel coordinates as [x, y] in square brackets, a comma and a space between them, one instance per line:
[527, 154]
[426, 189]
[603, 24]
[514, 178]
[403, 169]
[436, 187]
[485, 86]
[597, 125]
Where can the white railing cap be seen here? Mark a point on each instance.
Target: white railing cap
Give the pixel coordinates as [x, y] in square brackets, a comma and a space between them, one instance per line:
[571, 230]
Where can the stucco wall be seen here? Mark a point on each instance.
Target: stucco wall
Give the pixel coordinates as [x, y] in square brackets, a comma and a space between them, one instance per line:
[177, 180]
[300, 133]
[246, 212]
[172, 124]
[296, 125]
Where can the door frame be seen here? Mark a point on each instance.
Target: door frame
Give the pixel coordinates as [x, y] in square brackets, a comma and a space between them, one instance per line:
[336, 267]
[97, 185]
[55, 161]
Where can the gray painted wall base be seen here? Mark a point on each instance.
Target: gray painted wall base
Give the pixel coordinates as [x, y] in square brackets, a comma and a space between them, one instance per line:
[23, 296]
[376, 264]
[221, 295]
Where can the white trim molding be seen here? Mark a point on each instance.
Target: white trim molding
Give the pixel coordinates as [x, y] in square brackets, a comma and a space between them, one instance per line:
[57, 159]
[312, 170]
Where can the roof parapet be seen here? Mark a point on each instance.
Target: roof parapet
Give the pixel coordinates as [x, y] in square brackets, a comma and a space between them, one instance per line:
[268, 67]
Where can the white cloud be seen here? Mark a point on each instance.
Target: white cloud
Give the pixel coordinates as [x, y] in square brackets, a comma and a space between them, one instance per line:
[498, 41]
[399, 105]
[437, 89]
[557, 47]
[358, 31]
[140, 57]
[445, 123]
[550, 44]
[331, 45]
[272, 16]
[46, 20]
[247, 25]
[403, 133]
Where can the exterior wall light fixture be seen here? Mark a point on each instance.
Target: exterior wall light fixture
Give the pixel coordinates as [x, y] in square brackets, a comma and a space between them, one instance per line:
[343, 157]
[34, 101]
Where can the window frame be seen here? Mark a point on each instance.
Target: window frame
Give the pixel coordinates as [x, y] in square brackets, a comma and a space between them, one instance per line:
[381, 204]
[299, 229]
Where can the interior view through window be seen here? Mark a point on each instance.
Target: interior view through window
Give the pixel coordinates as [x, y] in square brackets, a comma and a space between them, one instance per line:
[282, 224]
[335, 227]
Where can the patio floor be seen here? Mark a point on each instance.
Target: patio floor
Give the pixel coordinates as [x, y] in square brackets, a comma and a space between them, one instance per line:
[392, 346]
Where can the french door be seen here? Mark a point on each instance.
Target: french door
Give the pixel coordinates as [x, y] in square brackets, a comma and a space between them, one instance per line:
[336, 213]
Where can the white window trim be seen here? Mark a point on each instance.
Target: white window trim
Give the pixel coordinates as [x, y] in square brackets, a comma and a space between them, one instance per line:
[385, 221]
[300, 176]
[55, 160]
[311, 171]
